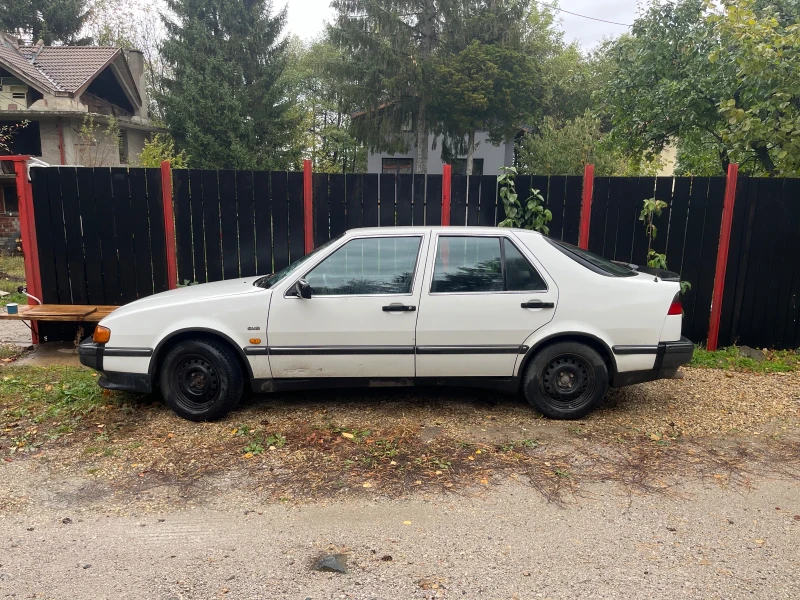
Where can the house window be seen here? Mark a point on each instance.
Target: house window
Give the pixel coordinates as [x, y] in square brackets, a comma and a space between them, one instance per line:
[398, 166]
[8, 199]
[460, 166]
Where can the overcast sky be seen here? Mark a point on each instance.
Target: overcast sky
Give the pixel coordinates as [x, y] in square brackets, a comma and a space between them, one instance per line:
[307, 18]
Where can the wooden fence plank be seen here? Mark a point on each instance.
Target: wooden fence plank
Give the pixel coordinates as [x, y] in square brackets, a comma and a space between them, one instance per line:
[645, 191]
[433, 201]
[458, 200]
[707, 260]
[789, 294]
[597, 226]
[212, 225]
[370, 201]
[387, 197]
[72, 236]
[322, 232]
[108, 247]
[677, 223]
[473, 199]
[572, 208]
[198, 226]
[354, 188]
[488, 200]
[693, 247]
[140, 222]
[280, 219]
[337, 204]
[246, 220]
[418, 210]
[405, 198]
[155, 211]
[297, 244]
[612, 217]
[627, 219]
[262, 207]
[779, 274]
[95, 293]
[556, 201]
[229, 235]
[183, 224]
[733, 270]
[123, 223]
[663, 191]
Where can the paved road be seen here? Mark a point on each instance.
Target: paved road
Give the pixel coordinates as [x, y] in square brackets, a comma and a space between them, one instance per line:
[508, 543]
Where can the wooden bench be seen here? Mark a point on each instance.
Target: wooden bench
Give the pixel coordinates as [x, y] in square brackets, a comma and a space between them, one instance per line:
[60, 312]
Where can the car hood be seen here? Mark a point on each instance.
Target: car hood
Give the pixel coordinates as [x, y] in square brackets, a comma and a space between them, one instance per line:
[193, 293]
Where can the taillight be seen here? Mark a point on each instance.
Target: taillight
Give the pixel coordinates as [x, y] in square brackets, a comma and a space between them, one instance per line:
[676, 308]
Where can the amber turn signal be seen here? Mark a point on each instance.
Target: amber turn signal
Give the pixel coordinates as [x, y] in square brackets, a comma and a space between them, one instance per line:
[101, 335]
[255, 340]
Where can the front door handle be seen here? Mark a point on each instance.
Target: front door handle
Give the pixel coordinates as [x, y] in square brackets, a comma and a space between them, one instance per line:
[537, 304]
[399, 308]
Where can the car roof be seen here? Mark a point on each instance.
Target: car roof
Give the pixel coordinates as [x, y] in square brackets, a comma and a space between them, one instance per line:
[418, 229]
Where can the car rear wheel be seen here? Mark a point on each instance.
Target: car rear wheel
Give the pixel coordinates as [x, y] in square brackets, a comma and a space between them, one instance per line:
[565, 380]
[201, 380]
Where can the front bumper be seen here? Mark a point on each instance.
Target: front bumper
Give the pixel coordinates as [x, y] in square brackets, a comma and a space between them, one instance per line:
[91, 355]
[670, 356]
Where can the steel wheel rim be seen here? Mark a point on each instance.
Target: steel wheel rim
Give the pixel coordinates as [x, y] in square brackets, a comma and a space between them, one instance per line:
[568, 381]
[197, 382]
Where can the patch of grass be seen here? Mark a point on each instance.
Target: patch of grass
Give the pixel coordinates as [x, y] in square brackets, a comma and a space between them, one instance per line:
[10, 353]
[777, 361]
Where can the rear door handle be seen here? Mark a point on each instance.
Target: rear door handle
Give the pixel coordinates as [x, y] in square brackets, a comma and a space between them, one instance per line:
[399, 308]
[537, 304]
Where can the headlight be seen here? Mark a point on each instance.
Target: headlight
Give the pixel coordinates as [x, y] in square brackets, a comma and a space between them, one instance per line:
[101, 335]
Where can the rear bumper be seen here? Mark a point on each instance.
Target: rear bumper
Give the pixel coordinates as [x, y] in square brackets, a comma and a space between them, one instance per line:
[91, 355]
[670, 356]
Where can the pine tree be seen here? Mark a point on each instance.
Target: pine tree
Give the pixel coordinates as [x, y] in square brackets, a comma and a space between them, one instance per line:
[225, 102]
[388, 47]
[53, 21]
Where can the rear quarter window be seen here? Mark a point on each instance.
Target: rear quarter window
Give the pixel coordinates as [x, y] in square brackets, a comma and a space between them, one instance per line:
[590, 260]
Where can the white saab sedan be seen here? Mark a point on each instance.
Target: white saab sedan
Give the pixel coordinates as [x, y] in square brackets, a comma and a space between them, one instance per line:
[469, 306]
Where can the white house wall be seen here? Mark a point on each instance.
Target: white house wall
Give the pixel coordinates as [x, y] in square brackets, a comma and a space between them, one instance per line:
[493, 156]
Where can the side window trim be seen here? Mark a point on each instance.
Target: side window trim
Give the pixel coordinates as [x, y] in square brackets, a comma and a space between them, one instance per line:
[502, 239]
[419, 236]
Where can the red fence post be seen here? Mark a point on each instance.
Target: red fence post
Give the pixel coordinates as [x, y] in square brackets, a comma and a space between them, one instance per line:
[27, 228]
[447, 172]
[722, 256]
[586, 206]
[308, 207]
[169, 225]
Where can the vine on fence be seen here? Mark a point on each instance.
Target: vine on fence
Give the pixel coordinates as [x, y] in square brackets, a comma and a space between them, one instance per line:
[528, 214]
[652, 208]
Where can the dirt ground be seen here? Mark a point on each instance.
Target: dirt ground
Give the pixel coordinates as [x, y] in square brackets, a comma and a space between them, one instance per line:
[680, 488]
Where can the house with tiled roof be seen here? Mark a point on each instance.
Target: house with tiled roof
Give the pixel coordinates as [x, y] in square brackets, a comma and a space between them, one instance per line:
[70, 95]
[80, 105]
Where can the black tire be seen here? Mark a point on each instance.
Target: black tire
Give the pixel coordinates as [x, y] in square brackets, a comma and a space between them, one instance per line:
[565, 380]
[201, 380]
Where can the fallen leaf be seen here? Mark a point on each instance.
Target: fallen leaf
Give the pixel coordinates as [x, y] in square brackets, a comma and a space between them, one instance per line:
[485, 481]
[248, 455]
[470, 458]
[759, 541]
[477, 451]
[367, 485]
[349, 436]
[393, 462]
[406, 522]
[170, 435]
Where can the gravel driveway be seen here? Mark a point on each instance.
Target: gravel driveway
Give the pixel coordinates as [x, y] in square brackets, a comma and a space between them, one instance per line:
[505, 543]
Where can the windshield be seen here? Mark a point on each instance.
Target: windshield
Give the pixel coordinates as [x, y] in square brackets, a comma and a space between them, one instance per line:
[593, 261]
[271, 280]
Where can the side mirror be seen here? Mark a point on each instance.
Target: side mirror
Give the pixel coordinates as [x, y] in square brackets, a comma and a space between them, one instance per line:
[302, 288]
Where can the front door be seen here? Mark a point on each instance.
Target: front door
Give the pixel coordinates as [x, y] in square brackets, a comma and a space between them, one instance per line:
[482, 299]
[360, 319]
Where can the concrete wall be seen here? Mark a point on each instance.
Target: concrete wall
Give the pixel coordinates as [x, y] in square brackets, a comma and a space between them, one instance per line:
[48, 132]
[493, 156]
[136, 140]
[9, 232]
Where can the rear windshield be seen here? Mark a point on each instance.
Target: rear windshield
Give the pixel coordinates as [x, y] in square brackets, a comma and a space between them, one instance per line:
[592, 261]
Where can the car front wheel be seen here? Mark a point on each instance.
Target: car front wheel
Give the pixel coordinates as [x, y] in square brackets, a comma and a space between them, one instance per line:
[201, 380]
[565, 380]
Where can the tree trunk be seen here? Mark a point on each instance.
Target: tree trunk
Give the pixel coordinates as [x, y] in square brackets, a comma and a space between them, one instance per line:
[764, 158]
[421, 168]
[470, 151]
[724, 160]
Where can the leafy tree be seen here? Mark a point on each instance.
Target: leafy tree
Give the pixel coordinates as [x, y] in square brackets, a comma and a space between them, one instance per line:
[53, 21]
[324, 135]
[225, 100]
[685, 71]
[387, 47]
[159, 148]
[528, 213]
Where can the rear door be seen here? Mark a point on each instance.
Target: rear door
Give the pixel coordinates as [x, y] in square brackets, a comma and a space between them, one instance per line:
[484, 294]
[360, 319]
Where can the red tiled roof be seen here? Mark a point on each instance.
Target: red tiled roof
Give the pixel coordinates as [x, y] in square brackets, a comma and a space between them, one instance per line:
[57, 68]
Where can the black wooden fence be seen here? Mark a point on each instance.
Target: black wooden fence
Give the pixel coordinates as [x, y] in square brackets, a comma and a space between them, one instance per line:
[100, 234]
[101, 231]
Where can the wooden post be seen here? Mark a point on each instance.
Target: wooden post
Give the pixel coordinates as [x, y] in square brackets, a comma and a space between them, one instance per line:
[447, 172]
[586, 206]
[169, 225]
[722, 256]
[27, 228]
[308, 207]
